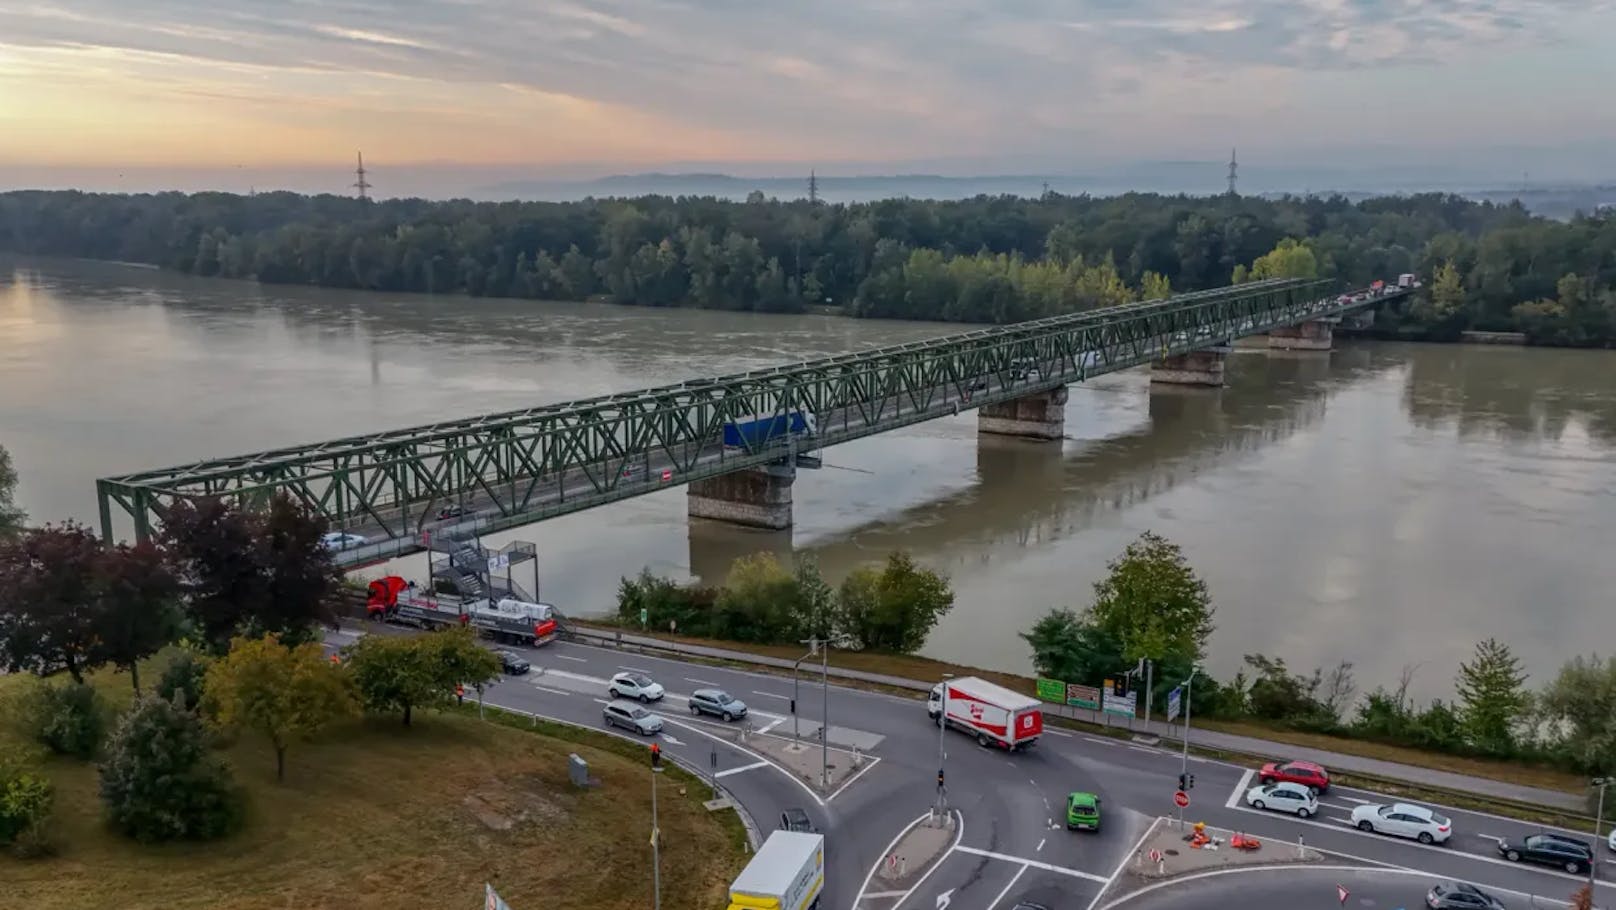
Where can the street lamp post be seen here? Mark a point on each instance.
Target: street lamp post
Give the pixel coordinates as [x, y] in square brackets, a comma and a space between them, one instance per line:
[656, 844]
[824, 717]
[1599, 823]
[813, 648]
[1184, 757]
[942, 727]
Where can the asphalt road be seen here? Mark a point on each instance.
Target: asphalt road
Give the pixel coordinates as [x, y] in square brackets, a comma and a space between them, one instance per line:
[1012, 844]
[1293, 888]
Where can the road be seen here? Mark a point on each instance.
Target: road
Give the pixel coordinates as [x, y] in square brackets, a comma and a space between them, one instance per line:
[1011, 844]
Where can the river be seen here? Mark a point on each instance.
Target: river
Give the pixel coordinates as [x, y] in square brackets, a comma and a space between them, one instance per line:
[1388, 504]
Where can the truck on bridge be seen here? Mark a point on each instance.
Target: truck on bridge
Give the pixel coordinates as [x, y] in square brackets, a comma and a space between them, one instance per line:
[392, 599]
[757, 430]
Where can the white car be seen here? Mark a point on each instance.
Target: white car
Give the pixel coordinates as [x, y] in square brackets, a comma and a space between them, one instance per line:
[1403, 820]
[635, 685]
[1284, 797]
[1613, 839]
[632, 717]
[339, 540]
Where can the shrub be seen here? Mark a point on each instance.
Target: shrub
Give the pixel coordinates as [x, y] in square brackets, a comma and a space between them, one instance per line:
[69, 719]
[184, 677]
[26, 797]
[160, 783]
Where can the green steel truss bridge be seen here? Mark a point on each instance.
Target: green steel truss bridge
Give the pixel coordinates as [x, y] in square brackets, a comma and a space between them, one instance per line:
[514, 468]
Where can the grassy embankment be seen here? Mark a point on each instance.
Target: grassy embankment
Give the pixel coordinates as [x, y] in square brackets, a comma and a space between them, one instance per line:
[378, 815]
[921, 668]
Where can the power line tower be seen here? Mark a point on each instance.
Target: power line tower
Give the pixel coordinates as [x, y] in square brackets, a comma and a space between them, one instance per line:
[813, 188]
[362, 185]
[1234, 167]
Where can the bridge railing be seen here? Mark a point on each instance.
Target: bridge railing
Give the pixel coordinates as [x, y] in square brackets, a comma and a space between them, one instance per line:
[530, 463]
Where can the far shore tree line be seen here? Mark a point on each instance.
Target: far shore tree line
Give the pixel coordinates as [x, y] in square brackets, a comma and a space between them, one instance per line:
[990, 259]
[235, 601]
[1152, 605]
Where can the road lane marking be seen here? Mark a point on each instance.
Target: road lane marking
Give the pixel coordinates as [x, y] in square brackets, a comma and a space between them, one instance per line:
[1103, 742]
[772, 724]
[567, 657]
[635, 670]
[1345, 821]
[1123, 863]
[757, 755]
[1047, 867]
[1059, 733]
[1146, 750]
[849, 782]
[772, 695]
[1239, 790]
[701, 682]
[1007, 886]
[1361, 802]
[1041, 843]
[882, 895]
[959, 832]
[1446, 851]
[742, 769]
[552, 691]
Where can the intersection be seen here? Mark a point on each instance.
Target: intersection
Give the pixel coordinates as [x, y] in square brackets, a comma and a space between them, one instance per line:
[1011, 843]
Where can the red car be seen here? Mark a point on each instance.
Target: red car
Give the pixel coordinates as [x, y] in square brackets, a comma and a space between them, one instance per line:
[1306, 773]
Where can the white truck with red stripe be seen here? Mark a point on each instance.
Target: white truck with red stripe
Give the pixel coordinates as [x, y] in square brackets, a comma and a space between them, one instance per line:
[993, 714]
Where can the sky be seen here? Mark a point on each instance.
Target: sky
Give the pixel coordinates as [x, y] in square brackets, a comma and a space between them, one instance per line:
[114, 93]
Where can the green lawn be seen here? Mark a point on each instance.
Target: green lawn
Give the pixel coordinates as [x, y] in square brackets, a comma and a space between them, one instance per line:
[377, 815]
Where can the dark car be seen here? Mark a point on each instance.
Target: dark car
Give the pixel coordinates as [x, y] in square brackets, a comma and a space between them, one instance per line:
[512, 663]
[1460, 896]
[448, 512]
[796, 820]
[1568, 853]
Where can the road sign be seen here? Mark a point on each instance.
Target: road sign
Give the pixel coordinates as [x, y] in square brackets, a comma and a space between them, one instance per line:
[1341, 893]
[1173, 703]
[1181, 799]
[1155, 855]
[645, 616]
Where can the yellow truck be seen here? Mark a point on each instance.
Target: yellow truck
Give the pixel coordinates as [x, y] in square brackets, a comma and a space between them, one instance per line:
[787, 873]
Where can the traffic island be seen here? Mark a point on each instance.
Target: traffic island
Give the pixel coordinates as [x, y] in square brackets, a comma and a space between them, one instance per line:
[911, 858]
[1168, 852]
[807, 759]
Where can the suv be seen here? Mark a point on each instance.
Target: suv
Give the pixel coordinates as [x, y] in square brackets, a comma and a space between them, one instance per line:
[718, 703]
[1570, 854]
[1306, 773]
[1082, 812]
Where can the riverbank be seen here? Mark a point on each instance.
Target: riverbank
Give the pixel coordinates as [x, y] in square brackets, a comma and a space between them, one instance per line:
[909, 675]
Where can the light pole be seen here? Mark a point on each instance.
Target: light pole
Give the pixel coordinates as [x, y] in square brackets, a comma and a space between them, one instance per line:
[656, 839]
[824, 717]
[1184, 758]
[942, 727]
[813, 648]
[1599, 823]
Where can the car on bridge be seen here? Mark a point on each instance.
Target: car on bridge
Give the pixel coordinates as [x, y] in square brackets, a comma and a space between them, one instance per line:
[1403, 820]
[1284, 797]
[636, 685]
[336, 541]
[1308, 774]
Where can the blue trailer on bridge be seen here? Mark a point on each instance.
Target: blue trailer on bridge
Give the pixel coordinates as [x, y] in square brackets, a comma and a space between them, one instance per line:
[757, 430]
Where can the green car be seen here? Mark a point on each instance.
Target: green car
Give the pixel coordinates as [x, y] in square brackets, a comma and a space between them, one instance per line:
[1082, 812]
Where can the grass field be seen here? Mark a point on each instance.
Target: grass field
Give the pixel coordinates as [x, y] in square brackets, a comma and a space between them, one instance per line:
[921, 668]
[375, 815]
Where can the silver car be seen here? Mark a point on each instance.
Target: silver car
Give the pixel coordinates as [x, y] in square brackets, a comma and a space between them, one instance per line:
[632, 717]
[718, 703]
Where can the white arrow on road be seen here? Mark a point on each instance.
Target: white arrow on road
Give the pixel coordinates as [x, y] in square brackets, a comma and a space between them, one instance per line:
[667, 738]
[944, 899]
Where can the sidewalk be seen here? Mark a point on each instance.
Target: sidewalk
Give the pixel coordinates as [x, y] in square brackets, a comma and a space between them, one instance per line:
[1209, 739]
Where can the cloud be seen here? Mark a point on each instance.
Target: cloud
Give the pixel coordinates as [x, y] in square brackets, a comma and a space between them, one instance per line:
[833, 77]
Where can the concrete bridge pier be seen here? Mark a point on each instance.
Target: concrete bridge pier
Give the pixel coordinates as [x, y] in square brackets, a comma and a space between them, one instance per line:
[1041, 415]
[1313, 335]
[752, 497]
[1197, 368]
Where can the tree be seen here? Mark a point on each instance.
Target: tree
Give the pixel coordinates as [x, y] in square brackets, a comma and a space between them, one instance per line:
[159, 782]
[183, 678]
[48, 601]
[26, 797]
[11, 517]
[1072, 648]
[137, 606]
[1579, 709]
[390, 675]
[457, 659]
[895, 609]
[1154, 287]
[284, 693]
[1291, 258]
[1153, 603]
[757, 602]
[69, 719]
[1492, 696]
[245, 572]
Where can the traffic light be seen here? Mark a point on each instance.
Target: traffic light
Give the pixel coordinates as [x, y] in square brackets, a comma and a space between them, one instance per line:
[656, 757]
[1192, 783]
[939, 778]
[1183, 782]
[1122, 686]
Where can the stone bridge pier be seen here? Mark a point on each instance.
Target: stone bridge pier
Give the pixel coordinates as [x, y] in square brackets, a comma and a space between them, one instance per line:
[1041, 415]
[1196, 368]
[1313, 335]
[754, 497]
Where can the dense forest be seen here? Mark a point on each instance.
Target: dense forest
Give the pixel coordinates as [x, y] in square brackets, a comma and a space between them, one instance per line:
[988, 259]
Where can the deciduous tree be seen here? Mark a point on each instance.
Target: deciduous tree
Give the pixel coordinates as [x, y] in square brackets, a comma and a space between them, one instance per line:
[1153, 603]
[160, 783]
[390, 675]
[894, 609]
[456, 659]
[11, 517]
[1492, 696]
[285, 693]
[49, 606]
[1073, 649]
[137, 606]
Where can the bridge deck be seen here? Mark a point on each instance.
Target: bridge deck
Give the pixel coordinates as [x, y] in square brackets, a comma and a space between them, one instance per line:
[514, 468]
